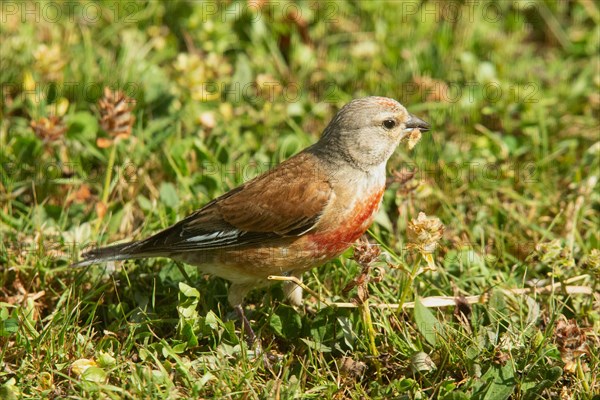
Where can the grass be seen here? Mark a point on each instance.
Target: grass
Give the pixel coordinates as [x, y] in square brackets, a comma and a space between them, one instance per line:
[223, 92]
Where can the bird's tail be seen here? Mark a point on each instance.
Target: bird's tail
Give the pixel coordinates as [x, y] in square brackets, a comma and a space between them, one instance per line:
[116, 252]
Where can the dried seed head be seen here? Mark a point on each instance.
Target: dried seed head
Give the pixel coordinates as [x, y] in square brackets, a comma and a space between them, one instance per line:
[501, 357]
[353, 368]
[49, 129]
[366, 253]
[571, 342]
[115, 111]
[425, 232]
[413, 138]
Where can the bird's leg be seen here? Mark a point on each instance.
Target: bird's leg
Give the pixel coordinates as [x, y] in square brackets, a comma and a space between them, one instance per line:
[248, 332]
[237, 292]
[293, 291]
[296, 281]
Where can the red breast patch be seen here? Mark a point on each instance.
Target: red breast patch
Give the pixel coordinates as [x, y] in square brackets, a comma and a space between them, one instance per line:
[335, 242]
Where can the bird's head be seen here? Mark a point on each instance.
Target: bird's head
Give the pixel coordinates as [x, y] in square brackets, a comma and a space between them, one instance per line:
[367, 131]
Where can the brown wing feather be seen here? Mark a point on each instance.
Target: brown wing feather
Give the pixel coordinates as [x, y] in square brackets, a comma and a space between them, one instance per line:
[286, 201]
[279, 201]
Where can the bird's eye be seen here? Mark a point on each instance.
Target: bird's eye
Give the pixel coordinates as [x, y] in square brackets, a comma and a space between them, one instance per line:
[389, 123]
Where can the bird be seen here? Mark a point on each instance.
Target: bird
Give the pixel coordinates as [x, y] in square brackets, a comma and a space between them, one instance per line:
[302, 213]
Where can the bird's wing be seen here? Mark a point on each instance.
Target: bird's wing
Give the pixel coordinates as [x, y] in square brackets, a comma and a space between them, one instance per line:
[286, 201]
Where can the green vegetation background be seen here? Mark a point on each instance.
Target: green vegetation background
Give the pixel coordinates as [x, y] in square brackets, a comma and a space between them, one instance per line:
[225, 90]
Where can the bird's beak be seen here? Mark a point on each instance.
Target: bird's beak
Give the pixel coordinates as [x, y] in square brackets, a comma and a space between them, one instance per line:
[415, 122]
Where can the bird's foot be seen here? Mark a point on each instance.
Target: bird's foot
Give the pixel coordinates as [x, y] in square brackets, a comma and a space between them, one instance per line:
[251, 338]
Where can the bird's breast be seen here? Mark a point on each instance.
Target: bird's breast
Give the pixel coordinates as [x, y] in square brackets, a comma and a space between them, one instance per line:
[346, 225]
